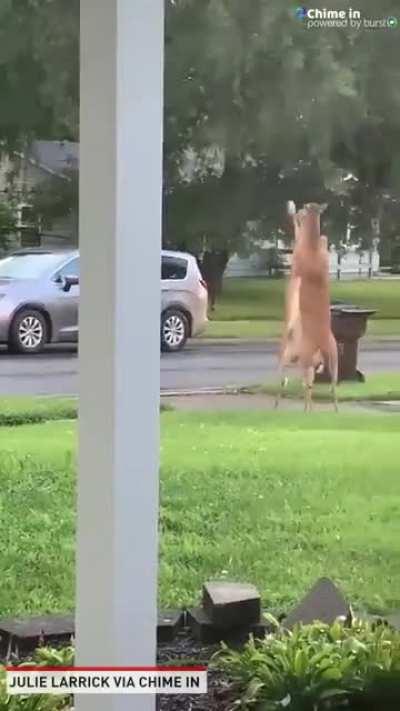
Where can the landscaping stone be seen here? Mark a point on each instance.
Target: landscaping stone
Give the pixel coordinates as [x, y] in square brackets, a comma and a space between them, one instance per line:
[201, 626]
[25, 634]
[20, 634]
[324, 603]
[394, 620]
[169, 624]
[204, 631]
[231, 604]
[374, 620]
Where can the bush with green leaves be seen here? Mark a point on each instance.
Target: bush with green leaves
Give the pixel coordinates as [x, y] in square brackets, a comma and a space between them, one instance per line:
[315, 667]
[38, 410]
[43, 657]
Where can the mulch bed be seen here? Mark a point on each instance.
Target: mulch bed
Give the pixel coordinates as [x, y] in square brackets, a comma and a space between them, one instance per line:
[186, 651]
[183, 651]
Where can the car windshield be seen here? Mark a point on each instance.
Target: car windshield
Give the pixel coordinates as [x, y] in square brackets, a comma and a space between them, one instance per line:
[28, 266]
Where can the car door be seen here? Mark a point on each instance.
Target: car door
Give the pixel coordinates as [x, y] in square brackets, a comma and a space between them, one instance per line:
[66, 324]
[173, 281]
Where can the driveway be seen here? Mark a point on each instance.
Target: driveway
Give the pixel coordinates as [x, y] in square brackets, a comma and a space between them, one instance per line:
[201, 365]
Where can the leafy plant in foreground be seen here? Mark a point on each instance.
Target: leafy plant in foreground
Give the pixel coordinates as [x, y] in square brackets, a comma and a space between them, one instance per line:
[46, 657]
[313, 668]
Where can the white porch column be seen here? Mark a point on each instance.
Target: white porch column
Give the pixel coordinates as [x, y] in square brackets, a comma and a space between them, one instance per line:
[120, 227]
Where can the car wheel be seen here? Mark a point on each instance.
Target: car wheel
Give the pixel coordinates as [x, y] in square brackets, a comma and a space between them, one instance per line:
[28, 332]
[174, 330]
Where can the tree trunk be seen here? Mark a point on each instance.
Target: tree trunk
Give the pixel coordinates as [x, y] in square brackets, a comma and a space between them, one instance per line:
[213, 267]
[376, 233]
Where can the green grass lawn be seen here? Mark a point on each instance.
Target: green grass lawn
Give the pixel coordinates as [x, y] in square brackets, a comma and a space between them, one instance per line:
[379, 387]
[277, 499]
[253, 308]
[255, 299]
[382, 328]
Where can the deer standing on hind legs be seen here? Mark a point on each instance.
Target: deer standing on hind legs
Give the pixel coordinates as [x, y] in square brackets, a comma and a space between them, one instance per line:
[308, 340]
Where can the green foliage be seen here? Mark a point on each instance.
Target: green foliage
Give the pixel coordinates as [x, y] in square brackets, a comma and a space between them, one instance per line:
[16, 411]
[51, 657]
[39, 70]
[289, 111]
[43, 657]
[251, 79]
[56, 197]
[29, 411]
[313, 667]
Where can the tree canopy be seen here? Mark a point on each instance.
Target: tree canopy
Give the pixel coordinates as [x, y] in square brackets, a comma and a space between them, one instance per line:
[307, 106]
[289, 111]
[39, 70]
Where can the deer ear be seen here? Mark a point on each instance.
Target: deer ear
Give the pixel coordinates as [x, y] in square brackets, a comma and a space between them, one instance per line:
[291, 208]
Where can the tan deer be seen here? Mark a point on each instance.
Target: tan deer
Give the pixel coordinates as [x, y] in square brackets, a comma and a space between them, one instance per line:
[308, 341]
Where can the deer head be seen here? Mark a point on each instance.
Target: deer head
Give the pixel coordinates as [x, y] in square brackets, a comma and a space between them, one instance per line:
[315, 207]
[308, 222]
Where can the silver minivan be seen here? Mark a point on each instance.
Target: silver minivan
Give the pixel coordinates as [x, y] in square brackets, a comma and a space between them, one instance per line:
[184, 300]
[39, 299]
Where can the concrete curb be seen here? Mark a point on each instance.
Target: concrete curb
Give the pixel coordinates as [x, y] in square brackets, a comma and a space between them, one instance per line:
[234, 390]
[274, 340]
[235, 341]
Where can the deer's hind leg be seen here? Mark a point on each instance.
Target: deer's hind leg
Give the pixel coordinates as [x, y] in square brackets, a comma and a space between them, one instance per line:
[308, 381]
[283, 382]
[289, 356]
[333, 367]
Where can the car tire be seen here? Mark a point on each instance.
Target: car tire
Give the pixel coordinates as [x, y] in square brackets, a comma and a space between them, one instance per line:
[28, 333]
[174, 330]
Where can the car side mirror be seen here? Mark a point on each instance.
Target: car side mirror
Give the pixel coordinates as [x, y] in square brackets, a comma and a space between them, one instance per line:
[69, 281]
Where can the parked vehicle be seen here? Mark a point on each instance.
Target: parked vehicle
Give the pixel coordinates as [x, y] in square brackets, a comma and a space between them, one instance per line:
[184, 300]
[39, 299]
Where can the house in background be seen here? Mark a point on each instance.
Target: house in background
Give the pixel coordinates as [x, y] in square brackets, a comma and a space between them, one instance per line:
[352, 265]
[53, 165]
[44, 167]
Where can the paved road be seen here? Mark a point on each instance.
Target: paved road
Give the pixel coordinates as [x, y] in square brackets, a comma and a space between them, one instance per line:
[200, 365]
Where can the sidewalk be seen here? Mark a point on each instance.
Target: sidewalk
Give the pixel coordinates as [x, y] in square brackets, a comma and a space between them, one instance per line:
[244, 401]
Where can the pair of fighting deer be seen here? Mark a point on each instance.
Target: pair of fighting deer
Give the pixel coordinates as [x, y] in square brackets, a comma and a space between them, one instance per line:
[308, 341]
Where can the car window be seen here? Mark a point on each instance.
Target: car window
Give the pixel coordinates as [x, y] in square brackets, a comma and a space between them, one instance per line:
[28, 266]
[69, 270]
[173, 268]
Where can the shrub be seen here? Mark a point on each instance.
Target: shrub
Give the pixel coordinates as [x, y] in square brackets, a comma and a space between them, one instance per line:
[45, 657]
[14, 419]
[40, 410]
[36, 410]
[315, 667]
